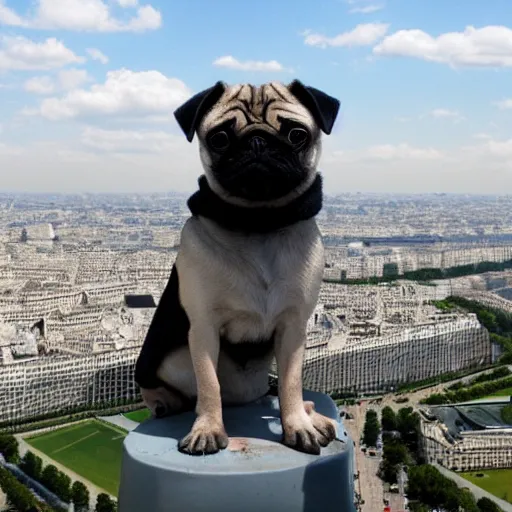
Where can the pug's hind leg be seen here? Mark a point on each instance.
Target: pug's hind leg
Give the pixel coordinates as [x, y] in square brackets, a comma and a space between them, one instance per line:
[163, 401]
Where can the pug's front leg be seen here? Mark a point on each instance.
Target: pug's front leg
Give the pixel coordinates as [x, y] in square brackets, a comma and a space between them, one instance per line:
[304, 429]
[208, 434]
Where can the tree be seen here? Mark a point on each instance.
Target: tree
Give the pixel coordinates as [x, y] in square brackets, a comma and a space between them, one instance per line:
[63, 490]
[32, 465]
[388, 419]
[371, 429]
[506, 414]
[418, 507]
[9, 448]
[24, 235]
[487, 319]
[408, 424]
[104, 503]
[390, 269]
[428, 486]
[487, 505]
[80, 496]
[393, 456]
[467, 501]
[57, 482]
[50, 478]
[17, 494]
[436, 399]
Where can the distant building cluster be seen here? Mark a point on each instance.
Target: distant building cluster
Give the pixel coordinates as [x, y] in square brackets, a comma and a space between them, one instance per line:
[467, 437]
[391, 335]
[71, 326]
[80, 276]
[359, 261]
[37, 386]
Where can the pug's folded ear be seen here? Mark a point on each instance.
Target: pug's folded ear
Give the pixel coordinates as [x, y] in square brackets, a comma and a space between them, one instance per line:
[323, 108]
[190, 114]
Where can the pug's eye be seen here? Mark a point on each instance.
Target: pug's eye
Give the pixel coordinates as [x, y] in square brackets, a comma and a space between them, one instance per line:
[219, 141]
[298, 136]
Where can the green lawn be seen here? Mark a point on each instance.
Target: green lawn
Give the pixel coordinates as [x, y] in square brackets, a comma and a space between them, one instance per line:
[502, 392]
[91, 449]
[495, 481]
[138, 416]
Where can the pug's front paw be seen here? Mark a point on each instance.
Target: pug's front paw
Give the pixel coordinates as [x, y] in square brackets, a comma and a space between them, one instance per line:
[308, 431]
[207, 436]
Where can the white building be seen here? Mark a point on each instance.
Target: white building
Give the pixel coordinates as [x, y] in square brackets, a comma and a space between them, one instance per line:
[41, 385]
[376, 364]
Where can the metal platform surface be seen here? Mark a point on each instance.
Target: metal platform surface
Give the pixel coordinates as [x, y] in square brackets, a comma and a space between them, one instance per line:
[255, 473]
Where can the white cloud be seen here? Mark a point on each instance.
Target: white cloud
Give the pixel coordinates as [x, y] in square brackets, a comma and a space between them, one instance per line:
[7, 150]
[481, 167]
[366, 9]
[20, 53]
[65, 80]
[84, 15]
[72, 78]
[493, 150]
[96, 54]
[126, 141]
[230, 62]
[45, 167]
[482, 136]
[402, 152]
[443, 113]
[384, 153]
[144, 94]
[9, 17]
[39, 85]
[504, 104]
[486, 46]
[362, 35]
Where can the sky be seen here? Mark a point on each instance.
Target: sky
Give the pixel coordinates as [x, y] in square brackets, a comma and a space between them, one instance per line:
[88, 89]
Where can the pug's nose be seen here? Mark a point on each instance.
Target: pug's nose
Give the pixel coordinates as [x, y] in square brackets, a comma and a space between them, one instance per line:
[257, 143]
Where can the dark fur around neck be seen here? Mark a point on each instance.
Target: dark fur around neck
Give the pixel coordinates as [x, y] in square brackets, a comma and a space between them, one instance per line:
[206, 203]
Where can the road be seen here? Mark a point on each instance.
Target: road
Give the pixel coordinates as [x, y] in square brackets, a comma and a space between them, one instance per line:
[120, 420]
[369, 483]
[397, 500]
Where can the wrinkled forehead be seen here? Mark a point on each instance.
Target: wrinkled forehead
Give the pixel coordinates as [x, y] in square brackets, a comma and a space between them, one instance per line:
[263, 106]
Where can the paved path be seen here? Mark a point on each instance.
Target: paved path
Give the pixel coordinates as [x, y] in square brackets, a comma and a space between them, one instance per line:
[121, 421]
[368, 484]
[93, 489]
[478, 492]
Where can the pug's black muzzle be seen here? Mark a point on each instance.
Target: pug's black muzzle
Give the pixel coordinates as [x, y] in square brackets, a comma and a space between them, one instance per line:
[259, 167]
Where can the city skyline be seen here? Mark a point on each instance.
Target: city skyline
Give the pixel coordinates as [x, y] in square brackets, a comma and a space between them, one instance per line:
[88, 90]
[415, 293]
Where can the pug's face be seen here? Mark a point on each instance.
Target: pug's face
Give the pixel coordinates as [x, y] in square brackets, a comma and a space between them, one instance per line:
[260, 145]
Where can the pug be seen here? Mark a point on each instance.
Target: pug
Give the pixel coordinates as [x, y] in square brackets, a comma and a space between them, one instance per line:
[249, 266]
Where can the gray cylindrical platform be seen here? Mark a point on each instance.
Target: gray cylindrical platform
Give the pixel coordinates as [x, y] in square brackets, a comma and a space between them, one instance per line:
[255, 473]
